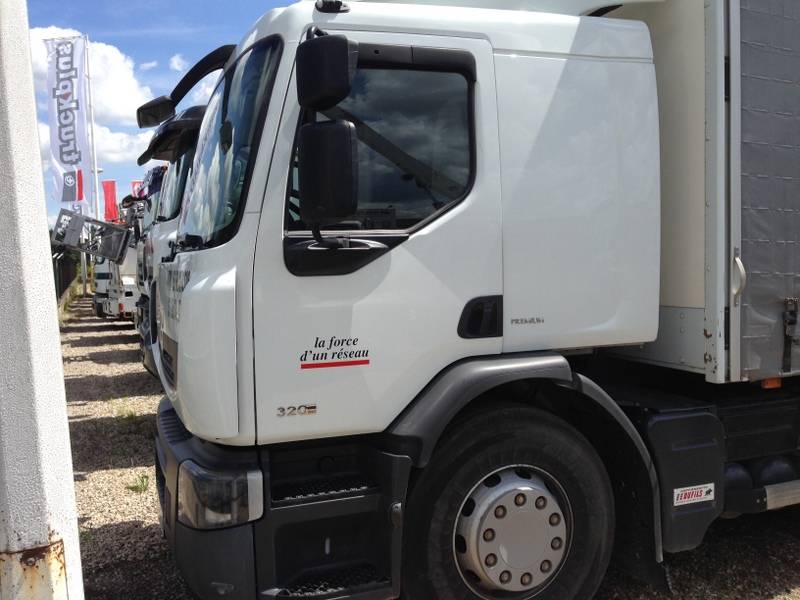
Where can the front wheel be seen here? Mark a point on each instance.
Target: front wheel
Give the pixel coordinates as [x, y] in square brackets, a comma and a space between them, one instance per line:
[515, 505]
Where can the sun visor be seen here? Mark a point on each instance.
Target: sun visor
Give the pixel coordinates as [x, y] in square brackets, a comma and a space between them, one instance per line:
[160, 109]
[168, 142]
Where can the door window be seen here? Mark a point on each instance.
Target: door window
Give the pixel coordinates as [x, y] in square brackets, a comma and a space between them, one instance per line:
[414, 148]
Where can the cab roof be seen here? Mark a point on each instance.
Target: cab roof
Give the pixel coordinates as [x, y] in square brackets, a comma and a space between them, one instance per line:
[520, 31]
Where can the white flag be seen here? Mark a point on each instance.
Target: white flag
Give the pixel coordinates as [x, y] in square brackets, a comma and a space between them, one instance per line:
[68, 106]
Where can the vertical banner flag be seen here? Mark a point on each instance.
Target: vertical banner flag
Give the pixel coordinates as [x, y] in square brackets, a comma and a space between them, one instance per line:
[69, 142]
[110, 195]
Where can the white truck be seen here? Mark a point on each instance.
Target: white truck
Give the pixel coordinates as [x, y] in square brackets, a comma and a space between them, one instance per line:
[467, 301]
[174, 141]
[120, 301]
[102, 275]
[137, 214]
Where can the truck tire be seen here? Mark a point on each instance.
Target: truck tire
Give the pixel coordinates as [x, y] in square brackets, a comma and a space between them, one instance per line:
[515, 504]
[98, 311]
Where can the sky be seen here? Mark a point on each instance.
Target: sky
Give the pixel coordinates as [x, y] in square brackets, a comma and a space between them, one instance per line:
[139, 50]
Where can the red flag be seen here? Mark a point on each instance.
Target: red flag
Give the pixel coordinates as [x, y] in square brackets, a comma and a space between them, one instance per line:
[80, 184]
[136, 185]
[110, 195]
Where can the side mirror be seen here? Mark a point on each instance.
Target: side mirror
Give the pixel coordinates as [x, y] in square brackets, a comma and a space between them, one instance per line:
[129, 201]
[155, 112]
[326, 67]
[328, 165]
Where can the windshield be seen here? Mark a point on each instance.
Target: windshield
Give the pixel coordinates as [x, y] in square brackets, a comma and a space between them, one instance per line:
[227, 144]
[169, 205]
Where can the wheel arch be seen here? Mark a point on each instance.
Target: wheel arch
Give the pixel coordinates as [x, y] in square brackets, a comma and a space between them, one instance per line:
[478, 383]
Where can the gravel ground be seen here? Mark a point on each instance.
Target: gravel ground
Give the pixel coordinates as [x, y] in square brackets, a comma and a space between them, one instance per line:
[112, 402]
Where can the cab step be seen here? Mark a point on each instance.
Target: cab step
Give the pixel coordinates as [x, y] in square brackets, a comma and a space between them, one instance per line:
[762, 499]
[354, 582]
[322, 488]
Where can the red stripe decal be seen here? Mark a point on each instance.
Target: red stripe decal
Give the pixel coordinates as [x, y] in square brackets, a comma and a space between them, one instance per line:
[328, 365]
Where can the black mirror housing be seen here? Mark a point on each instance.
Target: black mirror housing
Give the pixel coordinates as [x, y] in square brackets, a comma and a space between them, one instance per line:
[155, 112]
[326, 67]
[328, 156]
[129, 201]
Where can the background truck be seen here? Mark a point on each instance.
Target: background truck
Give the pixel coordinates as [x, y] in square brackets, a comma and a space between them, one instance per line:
[467, 302]
[136, 211]
[174, 141]
[101, 277]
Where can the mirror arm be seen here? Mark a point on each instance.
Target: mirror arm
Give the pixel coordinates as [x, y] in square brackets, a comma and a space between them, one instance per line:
[329, 243]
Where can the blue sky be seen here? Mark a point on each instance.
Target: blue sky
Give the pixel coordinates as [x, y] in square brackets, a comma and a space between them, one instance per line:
[140, 49]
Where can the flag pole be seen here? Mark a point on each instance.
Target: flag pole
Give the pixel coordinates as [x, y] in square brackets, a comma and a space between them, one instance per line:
[96, 186]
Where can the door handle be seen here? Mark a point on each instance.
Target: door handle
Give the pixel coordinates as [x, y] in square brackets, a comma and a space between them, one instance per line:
[737, 292]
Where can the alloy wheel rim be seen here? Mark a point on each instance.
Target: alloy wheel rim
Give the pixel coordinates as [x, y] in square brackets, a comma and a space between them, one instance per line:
[512, 533]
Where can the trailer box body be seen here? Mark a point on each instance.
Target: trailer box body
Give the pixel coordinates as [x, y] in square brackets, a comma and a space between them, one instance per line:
[730, 185]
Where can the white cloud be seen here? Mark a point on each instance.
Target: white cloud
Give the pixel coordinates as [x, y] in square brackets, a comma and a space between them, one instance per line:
[202, 91]
[118, 146]
[112, 146]
[146, 66]
[178, 63]
[116, 91]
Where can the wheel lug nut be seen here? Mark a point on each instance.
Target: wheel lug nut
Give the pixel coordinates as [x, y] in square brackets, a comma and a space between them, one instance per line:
[488, 535]
[500, 512]
[546, 566]
[556, 544]
[491, 560]
[505, 577]
[520, 500]
[555, 519]
[526, 579]
[541, 502]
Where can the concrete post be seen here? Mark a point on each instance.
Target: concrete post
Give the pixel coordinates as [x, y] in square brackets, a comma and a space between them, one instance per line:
[39, 554]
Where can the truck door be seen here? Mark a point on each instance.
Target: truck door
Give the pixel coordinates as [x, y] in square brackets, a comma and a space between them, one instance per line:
[345, 339]
[765, 192]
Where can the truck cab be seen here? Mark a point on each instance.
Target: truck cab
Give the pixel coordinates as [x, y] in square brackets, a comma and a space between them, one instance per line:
[413, 334]
[174, 142]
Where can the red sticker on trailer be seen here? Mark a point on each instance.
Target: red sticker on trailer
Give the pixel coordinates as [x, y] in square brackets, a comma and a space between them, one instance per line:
[694, 494]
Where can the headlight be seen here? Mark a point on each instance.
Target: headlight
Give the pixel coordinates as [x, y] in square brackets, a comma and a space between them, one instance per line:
[216, 499]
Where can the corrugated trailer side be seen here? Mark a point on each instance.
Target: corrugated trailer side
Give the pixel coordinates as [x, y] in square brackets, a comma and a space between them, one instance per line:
[729, 98]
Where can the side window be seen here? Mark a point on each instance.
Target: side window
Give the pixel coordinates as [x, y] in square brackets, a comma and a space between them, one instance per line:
[415, 149]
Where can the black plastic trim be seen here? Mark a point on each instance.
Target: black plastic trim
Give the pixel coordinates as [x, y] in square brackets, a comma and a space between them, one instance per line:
[590, 389]
[605, 10]
[417, 58]
[304, 257]
[165, 143]
[213, 61]
[482, 318]
[746, 502]
[331, 6]
[452, 389]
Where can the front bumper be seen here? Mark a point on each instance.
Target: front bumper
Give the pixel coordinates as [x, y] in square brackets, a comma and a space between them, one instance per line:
[331, 526]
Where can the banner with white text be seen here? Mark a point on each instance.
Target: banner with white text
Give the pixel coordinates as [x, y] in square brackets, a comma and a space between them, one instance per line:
[70, 155]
